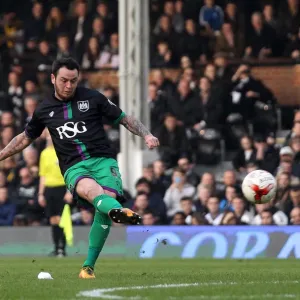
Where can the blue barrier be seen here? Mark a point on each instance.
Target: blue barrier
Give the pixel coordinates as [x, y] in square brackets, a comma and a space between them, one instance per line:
[236, 242]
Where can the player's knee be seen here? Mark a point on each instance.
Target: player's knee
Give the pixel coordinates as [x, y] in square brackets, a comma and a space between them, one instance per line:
[88, 189]
[111, 194]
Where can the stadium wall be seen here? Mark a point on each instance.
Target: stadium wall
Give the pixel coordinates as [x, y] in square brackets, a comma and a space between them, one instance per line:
[236, 242]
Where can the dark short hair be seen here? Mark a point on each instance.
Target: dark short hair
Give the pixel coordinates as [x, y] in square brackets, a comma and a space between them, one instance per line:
[185, 198]
[143, 180]
[43, 41]
[163, 42]
[179, 170]
[67, 62]
[141, 194]
[205, 77]
[200, 218]
[267, 210]
[215, 197]
[295, 188]
[148, 212]
[179, 213]
[230, 186]
[169, 115]
[62, 35]
[240, 197]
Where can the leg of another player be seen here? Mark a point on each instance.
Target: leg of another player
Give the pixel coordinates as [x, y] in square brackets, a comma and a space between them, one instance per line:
[58, 236]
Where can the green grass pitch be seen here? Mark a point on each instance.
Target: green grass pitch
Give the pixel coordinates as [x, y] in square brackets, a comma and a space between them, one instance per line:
[151, 279]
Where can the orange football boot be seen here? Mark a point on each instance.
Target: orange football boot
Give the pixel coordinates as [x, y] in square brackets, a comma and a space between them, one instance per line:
[87, 273]
[125, 216]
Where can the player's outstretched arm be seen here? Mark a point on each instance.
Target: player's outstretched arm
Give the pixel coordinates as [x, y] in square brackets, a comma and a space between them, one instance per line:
[138, 128]
[16, 145]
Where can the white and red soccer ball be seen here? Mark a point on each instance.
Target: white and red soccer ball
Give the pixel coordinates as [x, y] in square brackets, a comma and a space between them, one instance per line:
[259, 187]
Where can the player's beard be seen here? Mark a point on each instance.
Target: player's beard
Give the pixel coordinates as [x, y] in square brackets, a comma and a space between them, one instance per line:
[61, 95]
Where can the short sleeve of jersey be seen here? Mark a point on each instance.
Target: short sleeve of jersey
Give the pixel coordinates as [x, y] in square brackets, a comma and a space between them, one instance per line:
[108, 109]
[35, 127]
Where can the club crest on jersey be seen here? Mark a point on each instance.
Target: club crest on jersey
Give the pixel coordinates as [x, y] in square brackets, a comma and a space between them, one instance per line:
[83, 105]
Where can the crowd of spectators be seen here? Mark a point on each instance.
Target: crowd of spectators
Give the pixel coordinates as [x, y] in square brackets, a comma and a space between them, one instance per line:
[240, 29]
[185, 198]
[210, 107]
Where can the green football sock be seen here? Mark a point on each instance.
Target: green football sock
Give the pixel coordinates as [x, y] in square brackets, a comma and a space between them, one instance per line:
[97, 237]
[104, 203]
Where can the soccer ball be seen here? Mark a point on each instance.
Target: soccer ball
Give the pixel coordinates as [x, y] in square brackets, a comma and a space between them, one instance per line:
[259, 187]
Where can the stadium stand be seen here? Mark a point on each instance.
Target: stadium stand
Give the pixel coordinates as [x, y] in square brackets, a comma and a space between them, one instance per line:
[224, 91]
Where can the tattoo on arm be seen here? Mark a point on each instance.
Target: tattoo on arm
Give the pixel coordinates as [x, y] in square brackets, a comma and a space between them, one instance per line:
[135, 126]
[17, 144]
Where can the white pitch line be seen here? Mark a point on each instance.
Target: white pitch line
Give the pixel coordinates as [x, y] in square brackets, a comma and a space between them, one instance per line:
[103, 293]
[246, 297]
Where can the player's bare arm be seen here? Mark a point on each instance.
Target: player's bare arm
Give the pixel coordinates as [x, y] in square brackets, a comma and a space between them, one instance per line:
[135, 126]
[16, 145]
[138, 128]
